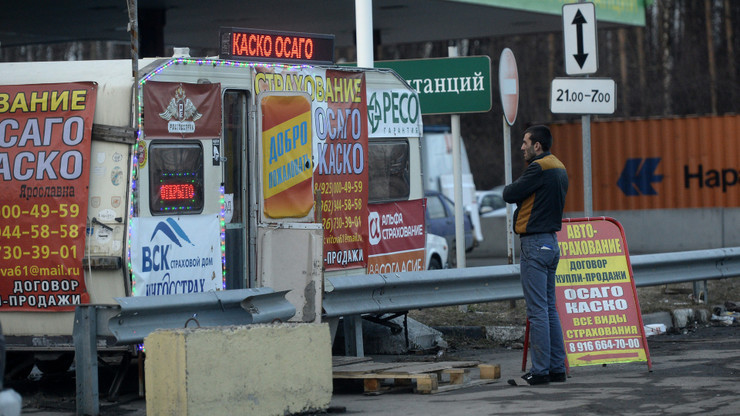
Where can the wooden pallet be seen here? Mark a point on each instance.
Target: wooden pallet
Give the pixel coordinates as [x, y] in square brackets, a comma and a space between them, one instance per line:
[420, 377]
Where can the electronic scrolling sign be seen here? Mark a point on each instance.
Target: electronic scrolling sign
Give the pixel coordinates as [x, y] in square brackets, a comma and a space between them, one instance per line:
[272, 46]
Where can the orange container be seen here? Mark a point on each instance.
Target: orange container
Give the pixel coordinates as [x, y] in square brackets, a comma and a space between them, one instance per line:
[688, 162]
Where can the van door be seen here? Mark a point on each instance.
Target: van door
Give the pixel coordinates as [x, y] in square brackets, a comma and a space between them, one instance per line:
[235, 161]
[289, 241]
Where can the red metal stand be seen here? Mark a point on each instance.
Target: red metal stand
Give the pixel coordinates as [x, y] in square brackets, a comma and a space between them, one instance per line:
[526, 350]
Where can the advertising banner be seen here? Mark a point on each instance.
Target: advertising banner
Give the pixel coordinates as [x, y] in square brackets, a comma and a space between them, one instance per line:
[45, 140]
[341, 173]
[340, 145]
[182, 110]
[286, 156]
[596, 296]
[188, 247]
[393, 113]
[396, 236]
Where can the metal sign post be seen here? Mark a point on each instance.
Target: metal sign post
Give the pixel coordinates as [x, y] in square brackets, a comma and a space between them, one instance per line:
[508, 79]
[588, 198]
[583, 96]
[364, 28]
[457, 181]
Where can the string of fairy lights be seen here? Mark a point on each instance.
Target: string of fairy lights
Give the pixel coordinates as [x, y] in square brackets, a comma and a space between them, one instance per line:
[134, 174]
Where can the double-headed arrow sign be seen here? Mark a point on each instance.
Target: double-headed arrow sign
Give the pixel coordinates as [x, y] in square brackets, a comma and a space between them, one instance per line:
[579, 34]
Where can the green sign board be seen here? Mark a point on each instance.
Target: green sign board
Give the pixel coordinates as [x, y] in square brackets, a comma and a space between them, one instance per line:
[447, 85]
[630, 12]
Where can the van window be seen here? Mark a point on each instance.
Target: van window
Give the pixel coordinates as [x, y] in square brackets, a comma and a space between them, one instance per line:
[388, 167]
[176, 178]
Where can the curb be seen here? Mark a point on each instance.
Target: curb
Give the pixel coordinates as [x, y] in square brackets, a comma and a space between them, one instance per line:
[676, 319]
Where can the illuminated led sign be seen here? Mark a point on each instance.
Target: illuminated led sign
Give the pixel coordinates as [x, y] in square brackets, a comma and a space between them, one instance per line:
[273, 46]
[177, 191]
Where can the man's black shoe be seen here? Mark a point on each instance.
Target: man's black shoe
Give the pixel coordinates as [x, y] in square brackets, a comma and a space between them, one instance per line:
[557, 377]
[534, 380]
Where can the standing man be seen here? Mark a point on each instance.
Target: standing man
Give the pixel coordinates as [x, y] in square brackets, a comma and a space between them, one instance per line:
[539, 195]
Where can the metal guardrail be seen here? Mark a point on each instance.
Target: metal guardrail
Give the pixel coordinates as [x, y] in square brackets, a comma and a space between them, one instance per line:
[136, 317]
[397, 292]
[140, 316]
[685, 266]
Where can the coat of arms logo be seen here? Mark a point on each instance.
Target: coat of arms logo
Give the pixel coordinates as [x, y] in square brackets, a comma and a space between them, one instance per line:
[183, 111]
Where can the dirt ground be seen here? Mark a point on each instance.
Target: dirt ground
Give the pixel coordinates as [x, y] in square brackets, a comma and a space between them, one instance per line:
[651, 299]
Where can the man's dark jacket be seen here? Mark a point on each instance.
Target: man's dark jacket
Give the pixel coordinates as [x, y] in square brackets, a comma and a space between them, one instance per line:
[539, 195]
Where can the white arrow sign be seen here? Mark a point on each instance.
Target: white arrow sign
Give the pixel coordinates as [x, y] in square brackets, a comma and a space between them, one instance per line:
[579, 35]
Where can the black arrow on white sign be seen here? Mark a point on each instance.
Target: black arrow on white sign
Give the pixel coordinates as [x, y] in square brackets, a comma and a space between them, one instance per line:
[579, 21]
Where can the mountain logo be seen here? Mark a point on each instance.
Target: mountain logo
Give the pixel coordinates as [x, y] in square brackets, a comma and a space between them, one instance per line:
[172, 230]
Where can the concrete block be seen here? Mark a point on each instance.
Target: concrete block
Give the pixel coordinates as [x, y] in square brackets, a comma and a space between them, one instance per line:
[702, 315]
[378, 339]
[251, 370]
[505, 334]
[471, 332]
[682, 317]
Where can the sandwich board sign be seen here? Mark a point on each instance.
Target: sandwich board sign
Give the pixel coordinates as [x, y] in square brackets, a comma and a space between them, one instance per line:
[596, 297]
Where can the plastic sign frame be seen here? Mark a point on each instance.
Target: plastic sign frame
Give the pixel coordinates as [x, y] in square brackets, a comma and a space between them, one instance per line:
[257, 45]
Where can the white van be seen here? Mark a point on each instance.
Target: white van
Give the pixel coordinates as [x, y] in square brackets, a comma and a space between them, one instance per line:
[202, 174]
[437, 165]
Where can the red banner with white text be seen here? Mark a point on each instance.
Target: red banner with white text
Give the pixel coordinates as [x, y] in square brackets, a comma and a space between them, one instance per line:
[341, 174]
[396, 237]
[45, 141]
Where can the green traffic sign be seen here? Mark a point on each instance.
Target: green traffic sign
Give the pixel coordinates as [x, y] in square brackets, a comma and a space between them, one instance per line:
[447, 85]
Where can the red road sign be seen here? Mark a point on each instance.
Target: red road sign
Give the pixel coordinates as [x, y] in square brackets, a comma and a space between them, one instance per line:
[508, 82]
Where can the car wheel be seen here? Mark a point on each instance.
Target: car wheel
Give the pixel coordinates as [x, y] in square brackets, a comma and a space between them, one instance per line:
[435, 264]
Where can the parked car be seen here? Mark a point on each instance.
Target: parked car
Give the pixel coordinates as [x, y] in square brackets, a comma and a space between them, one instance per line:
[437, 165]
[440, 220]
[491, 203]
[436, 247]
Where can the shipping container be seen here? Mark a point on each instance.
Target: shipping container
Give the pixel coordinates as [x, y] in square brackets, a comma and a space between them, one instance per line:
[654, 164]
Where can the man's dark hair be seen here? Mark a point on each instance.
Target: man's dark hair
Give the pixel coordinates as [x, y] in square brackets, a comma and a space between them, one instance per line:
[541, 134]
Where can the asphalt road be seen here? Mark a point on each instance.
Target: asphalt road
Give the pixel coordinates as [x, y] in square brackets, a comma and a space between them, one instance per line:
[697, 372]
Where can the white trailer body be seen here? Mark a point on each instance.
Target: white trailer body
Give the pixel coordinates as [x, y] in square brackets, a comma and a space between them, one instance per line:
[300, 173]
